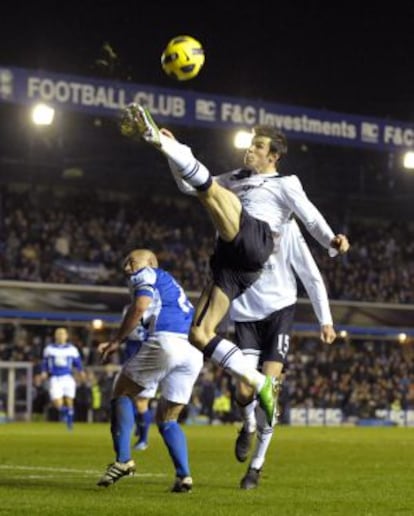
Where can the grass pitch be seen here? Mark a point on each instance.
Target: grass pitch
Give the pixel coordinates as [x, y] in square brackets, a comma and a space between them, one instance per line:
[45, 469]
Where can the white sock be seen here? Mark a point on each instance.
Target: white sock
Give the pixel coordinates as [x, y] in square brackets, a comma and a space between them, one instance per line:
[264, 438]
[249, 416]
[228, 356]
[189, 168]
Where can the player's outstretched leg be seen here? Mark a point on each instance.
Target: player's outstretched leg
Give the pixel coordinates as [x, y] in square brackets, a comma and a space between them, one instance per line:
[228, 356]
[137, 122]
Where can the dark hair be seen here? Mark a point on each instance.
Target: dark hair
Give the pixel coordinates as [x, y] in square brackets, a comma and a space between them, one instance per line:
[278, 141]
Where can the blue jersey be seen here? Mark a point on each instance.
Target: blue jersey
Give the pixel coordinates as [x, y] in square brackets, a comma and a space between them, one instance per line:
[60, 359]
[170, 310]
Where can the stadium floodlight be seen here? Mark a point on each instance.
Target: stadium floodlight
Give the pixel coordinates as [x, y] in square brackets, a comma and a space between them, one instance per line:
[242, 139]
[43, 114]
[402, 338]
[408, 160]
[97, 324]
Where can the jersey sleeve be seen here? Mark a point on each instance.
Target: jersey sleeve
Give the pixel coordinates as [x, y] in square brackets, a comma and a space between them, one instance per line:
[297, 200]
[309, 274]
[143, 281]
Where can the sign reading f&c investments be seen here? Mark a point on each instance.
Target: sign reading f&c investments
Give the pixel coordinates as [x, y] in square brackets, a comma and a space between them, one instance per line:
[174, 106]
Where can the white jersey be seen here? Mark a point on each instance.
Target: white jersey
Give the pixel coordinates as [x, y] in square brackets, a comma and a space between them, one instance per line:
[276, 288]
[274, 198]
[60, 359]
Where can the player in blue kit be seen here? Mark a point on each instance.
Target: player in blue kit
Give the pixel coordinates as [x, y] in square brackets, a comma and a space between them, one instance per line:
[165, 359]
[59, 360]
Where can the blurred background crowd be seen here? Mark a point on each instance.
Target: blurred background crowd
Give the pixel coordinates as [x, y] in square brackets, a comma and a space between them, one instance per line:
[359, 377]
[82, 238]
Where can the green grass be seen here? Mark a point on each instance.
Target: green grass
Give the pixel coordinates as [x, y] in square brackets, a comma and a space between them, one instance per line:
[44, 469]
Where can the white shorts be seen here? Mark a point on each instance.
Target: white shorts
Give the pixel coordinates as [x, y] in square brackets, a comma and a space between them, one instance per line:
[168, 361]
[146, 393]
[62, 386]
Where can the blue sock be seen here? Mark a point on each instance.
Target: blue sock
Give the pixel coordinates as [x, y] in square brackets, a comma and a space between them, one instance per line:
[121, 427]
[70, 415]
[138, 418]
[63, 413]
[114, 425]
[176, 443]
[143, 424]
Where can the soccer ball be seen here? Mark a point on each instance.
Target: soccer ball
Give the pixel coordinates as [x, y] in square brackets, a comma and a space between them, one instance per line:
[183, 58]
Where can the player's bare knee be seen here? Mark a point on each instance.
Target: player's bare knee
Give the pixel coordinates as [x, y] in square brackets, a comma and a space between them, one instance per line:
[124, 386]
[167, 411]
[142, 404]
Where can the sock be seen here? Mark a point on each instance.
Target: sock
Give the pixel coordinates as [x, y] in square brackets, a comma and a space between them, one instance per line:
[264, 437]
[70, 415]
[63, 413]
[114, 424]
[176, 443]
[138, 418]
[228, 356]
[190, 169]
[122, 423]
[143, 425]
[248, 415]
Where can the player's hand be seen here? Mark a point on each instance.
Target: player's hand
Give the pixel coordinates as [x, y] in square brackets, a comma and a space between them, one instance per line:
[340, 243]
[105, 349]
[328, 334]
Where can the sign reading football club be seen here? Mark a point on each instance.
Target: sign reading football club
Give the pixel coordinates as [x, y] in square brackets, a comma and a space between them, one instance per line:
[173, 106]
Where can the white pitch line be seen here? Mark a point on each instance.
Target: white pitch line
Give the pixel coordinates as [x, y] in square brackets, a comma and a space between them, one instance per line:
[70, 470]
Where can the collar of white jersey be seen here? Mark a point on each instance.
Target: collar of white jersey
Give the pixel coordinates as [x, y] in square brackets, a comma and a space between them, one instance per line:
[268, 174]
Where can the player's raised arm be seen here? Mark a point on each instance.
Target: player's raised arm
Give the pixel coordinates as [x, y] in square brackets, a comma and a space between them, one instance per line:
[309, 274]
[297, 200]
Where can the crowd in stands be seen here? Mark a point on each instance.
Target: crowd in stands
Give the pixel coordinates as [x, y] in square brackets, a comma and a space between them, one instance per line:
[81, 239]
[359, 377]
[75, 238]
[56, 237]
[379, 266]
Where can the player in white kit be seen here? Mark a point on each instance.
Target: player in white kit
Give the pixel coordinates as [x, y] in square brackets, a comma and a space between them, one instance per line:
[263, 317]
[248, 208]
[165, 359]
[60, 358]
